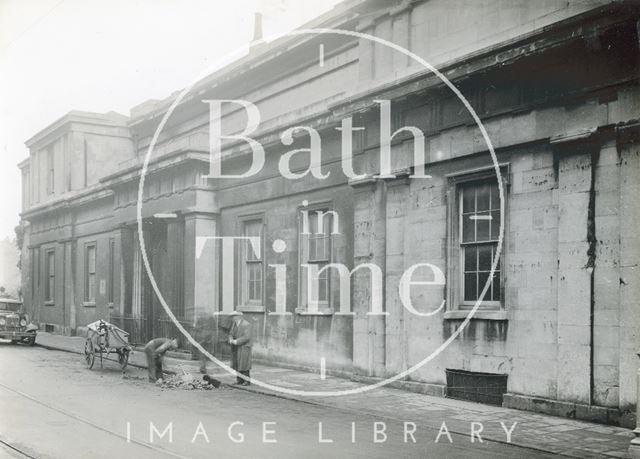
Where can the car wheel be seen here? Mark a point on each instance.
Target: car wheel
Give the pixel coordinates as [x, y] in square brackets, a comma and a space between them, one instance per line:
[31, 341]
[14, 341]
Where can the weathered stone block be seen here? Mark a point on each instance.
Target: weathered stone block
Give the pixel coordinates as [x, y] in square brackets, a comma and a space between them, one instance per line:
[574, 334]
[572, 213]
[574, 174]
[573, 372]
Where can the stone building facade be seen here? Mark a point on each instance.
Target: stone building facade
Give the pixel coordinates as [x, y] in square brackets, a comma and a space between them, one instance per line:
[556, 87]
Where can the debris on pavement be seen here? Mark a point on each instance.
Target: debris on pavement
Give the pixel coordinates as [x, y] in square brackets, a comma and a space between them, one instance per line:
[134, 378]
[186, 382]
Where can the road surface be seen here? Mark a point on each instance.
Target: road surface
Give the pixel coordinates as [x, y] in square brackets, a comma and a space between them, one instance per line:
[53, 406]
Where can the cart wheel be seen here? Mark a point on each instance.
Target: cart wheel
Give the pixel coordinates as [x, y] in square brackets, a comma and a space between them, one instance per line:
[89, 353]
[123, 358]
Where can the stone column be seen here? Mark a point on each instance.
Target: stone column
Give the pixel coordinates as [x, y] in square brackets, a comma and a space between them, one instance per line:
[127, 251]
[628, 143]
[175, 268]
[397, 202]
[575, 267]
[369, 247]
[200, 273]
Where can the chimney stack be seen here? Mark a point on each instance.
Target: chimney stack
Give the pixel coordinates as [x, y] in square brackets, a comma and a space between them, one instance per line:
[257, 26]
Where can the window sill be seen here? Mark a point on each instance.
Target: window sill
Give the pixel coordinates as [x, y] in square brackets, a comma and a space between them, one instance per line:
[319, 312]
[89, 304]
[250, 308]
[49, 303]
[480, 315]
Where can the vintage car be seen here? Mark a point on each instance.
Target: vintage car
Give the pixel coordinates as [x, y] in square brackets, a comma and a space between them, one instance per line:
[14, 323]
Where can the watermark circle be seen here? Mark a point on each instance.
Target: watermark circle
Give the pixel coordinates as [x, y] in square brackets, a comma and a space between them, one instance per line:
[230, 58]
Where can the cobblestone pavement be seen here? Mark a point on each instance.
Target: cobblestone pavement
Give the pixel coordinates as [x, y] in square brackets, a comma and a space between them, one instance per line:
[535, 431]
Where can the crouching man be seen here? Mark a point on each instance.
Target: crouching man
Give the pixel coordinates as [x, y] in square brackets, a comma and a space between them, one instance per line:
[155, 350]
[240, 341]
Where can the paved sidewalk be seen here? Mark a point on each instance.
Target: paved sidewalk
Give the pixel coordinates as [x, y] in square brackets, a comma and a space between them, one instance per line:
[535, 431]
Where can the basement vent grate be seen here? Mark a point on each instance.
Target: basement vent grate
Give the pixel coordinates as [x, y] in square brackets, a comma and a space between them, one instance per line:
[477, 387]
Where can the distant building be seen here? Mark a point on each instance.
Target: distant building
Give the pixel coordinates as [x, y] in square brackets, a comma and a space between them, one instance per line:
[556, 86]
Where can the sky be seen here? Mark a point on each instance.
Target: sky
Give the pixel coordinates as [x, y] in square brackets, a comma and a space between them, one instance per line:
[102, 55]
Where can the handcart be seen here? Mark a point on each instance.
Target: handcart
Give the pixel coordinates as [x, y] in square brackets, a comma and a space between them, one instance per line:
[105, 338]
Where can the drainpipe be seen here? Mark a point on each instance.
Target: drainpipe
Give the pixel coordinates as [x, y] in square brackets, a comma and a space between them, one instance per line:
[591, 266]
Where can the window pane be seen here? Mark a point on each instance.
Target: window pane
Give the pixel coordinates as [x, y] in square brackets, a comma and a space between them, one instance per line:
[92, 288]
[470, 287]
[323, 283]
[322, 248]
[313, 222]
[482, 227]
[468, 200]
[312, 248]
[495, 196]
[482, 280]
[52, 288]
[496, 286]
[484, 257]
[254, 281]
[470, 261]
[319, 246]
[252, 291]
[468, 229]
[483, 197]
[91, 259]
[323, 290]
[495, 225]
[250, 252]
[326, 220]
[252, 228]
[259, 290]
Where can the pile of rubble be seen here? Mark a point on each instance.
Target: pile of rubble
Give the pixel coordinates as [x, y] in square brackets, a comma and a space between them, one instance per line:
[185, 381]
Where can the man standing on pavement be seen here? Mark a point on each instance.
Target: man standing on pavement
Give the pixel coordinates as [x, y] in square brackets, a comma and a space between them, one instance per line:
[155, 350]
[240, 341]
[204, 336]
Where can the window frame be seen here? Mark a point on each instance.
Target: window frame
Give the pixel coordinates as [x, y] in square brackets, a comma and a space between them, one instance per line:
[88, 301]
[323, 307]
[457, 307]
[243, 301]
[462, 303]
[50, 279]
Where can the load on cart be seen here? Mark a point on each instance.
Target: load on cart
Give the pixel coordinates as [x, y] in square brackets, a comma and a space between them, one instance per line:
[105, 338]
